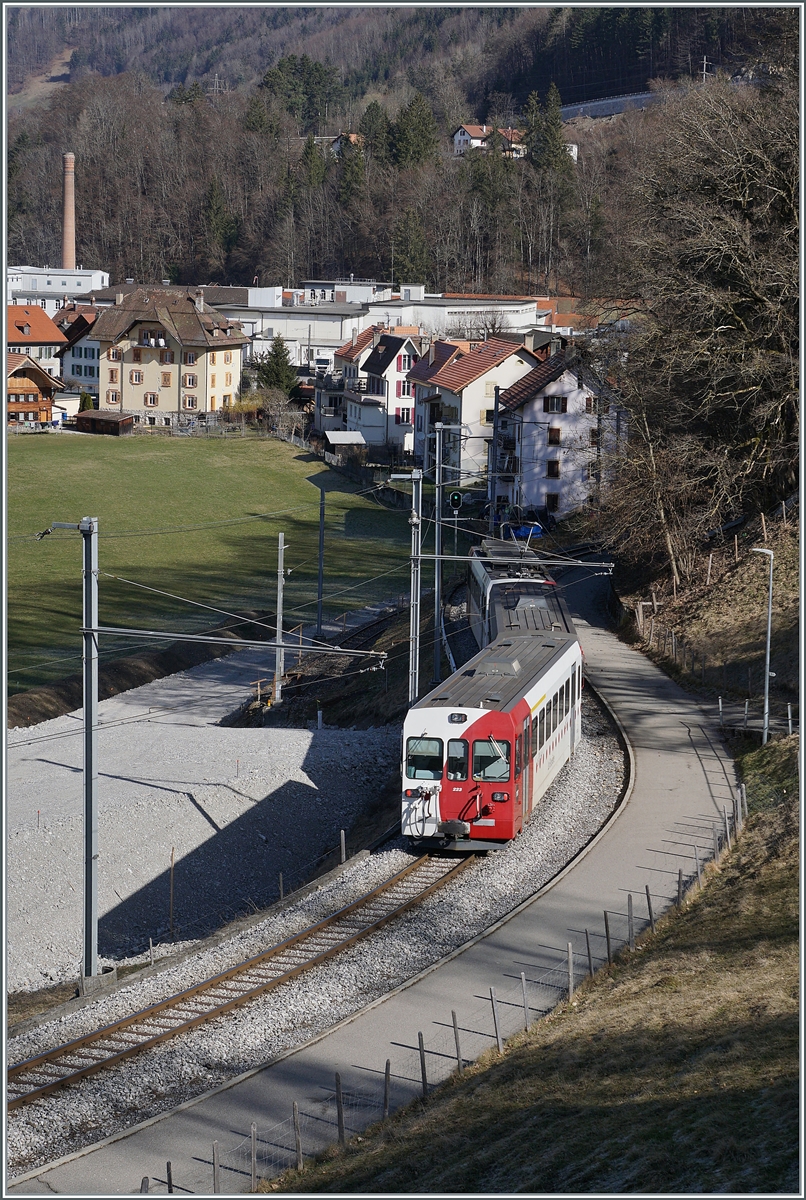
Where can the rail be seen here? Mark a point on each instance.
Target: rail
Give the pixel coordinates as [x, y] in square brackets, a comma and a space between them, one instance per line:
[105, 1047]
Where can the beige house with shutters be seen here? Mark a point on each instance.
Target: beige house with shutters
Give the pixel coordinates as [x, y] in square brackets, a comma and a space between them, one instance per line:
[167, 357]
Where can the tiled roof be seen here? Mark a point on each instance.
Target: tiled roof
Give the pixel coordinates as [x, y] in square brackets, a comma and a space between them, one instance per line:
[513, 397]
[175, 311]
[462, 371]
[424, 371]
[15, 361]
[41, 329]
[484, 131]
[349, 351]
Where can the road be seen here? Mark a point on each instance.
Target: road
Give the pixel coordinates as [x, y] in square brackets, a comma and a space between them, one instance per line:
[682, 777]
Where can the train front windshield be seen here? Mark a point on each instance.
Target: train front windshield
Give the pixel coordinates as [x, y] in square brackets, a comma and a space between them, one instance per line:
[491, 760]
[424, 758]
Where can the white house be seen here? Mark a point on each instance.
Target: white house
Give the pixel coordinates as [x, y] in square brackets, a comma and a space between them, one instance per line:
[51, 287]
[380, 402]
[477, 137]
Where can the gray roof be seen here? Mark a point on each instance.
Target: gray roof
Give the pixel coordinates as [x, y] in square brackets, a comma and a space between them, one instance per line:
[497, 676]
[175, 310]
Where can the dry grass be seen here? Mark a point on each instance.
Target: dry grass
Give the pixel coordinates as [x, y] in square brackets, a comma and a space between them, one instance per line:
[676, 1070]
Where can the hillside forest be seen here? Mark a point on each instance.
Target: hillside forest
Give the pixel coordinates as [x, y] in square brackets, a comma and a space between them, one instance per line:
[685, 212]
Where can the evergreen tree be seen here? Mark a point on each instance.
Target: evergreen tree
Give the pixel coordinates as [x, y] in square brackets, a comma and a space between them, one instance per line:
[274, 369]
[412, 255]
[414, 133]
[545, 144]
[377, 132]
[314, 165]
[352, 178]
[223, 226]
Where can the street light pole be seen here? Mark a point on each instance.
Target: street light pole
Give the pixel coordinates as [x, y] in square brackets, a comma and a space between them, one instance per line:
[89, 534]
[765, 735]
[415, 520]
[438, 551]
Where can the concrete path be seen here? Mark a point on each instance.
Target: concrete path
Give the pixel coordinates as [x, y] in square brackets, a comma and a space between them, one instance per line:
[682, 779]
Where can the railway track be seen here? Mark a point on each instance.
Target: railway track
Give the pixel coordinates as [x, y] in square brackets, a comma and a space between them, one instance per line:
[178, 1014]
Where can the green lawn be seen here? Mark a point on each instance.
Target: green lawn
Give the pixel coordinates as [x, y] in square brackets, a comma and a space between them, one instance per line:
[195, 517]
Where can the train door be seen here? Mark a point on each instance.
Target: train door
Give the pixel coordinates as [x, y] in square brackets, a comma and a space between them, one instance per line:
[527, 767]
[573, 709]
[520, 781]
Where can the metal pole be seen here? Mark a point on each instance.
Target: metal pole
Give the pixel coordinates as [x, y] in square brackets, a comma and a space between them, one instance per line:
[279, 654]
[649, 909]
[297, 1135]
[438, 552]
[493, 469]
[89, 533]
[415, 520]
[496, 1025]
[766, 733]
[459, 1061]
[320, 586]
[570, 970]
[525, 1001]
[387, 1087]
[423, 1072]
[253, 1132]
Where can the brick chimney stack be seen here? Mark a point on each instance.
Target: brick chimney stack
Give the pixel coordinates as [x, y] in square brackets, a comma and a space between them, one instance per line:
[69, 213]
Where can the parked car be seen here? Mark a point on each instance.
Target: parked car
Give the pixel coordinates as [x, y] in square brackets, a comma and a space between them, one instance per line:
[525, 531]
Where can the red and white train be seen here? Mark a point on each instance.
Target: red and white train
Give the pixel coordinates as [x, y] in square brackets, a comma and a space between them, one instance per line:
[480, 750]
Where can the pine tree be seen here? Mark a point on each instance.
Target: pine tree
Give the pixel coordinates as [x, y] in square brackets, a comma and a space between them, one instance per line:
[274, 369]
[314, 166]
[377, 132]
[412, 256]
[352, 173]
[414, 133]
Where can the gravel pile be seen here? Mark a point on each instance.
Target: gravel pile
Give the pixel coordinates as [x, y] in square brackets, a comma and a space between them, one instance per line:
[575, 807]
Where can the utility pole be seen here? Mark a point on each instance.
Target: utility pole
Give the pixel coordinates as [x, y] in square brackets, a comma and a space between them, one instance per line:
[493, 473]
[765, 735]
[89, 533]
[704, 67]
[279, 653]
[320, 585]
[438, 551]
[415, 520]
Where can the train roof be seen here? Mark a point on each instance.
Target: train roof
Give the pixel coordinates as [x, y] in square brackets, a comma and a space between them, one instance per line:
[498, 675]
[501, 559]
[528, 607]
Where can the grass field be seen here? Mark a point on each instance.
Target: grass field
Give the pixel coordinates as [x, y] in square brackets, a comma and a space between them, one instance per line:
[675, 1071]
[195, 517]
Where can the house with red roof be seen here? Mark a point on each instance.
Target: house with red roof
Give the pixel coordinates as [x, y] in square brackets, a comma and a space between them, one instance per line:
[478, 137]
[29, 390]
[80, 355]
[31, 331]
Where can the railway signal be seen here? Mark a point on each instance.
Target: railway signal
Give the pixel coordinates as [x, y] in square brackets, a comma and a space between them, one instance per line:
[455, 501]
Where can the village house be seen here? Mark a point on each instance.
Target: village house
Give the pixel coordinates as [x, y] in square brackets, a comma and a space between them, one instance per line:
[557, 425]
[379, 402]
[32, 332]
[478, 137]
[51, 288]
[29, 390]
[79, 356]
[166, 356]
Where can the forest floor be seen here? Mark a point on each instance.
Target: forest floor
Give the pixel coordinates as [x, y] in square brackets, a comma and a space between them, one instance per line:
[41, 85]
[673, 1070]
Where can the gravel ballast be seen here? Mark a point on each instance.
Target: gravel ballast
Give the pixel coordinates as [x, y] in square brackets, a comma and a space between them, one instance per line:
[574, 808]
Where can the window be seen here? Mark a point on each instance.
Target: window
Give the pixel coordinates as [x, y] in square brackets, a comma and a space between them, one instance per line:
[212, 404]
[589, 471]
[166, 420]
[112, 397]
[567, 696]
[113, 355]
[518, 756]
[574, 688]
[552, 501]
[77, 369]
[228, 379]
[419, 424]
[491, 760]
[152, 420]
[227, 401]
[190, 381]
[487, 416]
[227, 356]
[424, 758]
[489, 389]
[189, 402]
[113, 375]
[404, 362]
[553, 468]
[166, 356]
[594, 436]
[590, 405]
[151, 399]
[404, 387]
[212, 358]
[555, 404]
[457, 760]
[166, 378]
[403, 416]
[190, 358]
[137, 355]
[212, 381]
[554, 435]
[89, 371]
[135, 376]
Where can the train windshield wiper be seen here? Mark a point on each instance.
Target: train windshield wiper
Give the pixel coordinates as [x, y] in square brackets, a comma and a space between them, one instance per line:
[497, 748]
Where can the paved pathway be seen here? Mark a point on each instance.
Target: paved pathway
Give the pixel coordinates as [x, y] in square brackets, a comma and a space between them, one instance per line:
[682, 779]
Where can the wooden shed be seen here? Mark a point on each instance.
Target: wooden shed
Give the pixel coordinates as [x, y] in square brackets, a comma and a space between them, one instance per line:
[98, 421]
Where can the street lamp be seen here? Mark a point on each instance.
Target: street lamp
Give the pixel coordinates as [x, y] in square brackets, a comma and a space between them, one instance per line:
[766, 733]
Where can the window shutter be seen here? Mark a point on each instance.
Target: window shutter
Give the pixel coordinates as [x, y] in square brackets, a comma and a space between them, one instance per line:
[400, 362]
[397, 416]
[565, 404]
[546, 404]
[399, 391]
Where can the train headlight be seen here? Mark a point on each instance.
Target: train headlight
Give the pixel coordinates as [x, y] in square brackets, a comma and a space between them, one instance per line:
[457, 718]
[500, 796]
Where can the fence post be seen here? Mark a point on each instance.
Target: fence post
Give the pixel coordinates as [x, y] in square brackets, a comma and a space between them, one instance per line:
[590, 956]
[744, 798]
[630, 922]
[343, 840]
[459, 1063]
[680, 887]
[697, 863]
[649, 909]
[525, 1002]
[727, 825]
[253, 1132]
[216, 1172]
[708, 577]
[494, 1003]
[297, 1136]
[144, 1184]
[423, 1072]
[746, 706]
[281, 885]
[716, 842]
[607, 936]
[169, 1178]
[789, 718]
[570, 971]
[387, 1087]
[720, 709]
[339, 1109]
[783, 512]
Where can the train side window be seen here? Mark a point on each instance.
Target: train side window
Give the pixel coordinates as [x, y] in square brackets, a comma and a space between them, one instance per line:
[424, 758]
[561, 708]
[542, 739]
[518, 755]
[554, 705]
[491, 760]
[457, 759]
[528, 744]
[574, 688]
[534, 734]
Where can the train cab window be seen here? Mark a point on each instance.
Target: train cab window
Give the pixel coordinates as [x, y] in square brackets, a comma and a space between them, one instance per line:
[518, 756]
[491, 760]
[542, 728]
[457, 759]
[424, 758]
